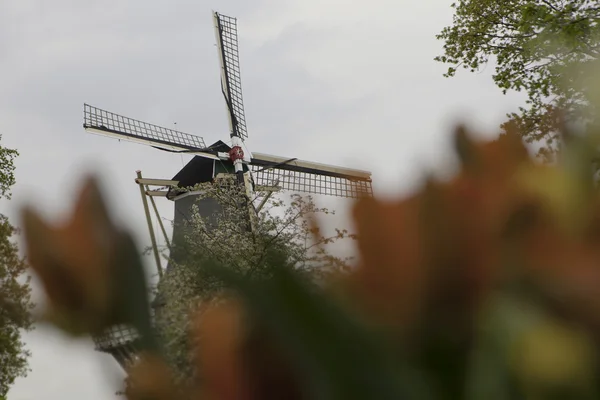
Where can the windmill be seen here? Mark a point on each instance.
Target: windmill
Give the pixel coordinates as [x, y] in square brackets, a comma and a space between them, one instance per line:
[257, 171]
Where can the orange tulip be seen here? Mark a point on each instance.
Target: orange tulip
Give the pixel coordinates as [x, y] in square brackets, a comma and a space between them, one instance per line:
[236, 363]
[149, 378]
[219, 337]
[75, 263]
[443, 243]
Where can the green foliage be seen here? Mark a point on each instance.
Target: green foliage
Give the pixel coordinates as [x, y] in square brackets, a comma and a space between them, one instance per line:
[15, 308]
[7, 169]
[545, 48]
[15, 292]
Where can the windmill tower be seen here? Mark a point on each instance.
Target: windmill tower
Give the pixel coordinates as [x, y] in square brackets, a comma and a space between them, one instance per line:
[257, 171]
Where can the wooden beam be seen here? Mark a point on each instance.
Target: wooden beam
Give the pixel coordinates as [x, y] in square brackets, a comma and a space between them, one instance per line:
[366, 175]
[260, 188]
[159, 219]
[157, 193]
[156, 182]
[149, 221]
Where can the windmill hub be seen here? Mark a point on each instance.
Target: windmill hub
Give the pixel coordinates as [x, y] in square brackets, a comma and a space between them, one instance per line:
[236, 153]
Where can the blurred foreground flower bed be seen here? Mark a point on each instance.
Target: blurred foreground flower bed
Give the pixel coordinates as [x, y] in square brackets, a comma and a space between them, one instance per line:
[484, 286]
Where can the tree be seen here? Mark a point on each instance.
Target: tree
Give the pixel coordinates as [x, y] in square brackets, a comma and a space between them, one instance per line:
[15, 291]
[544, 48]
[282, 237]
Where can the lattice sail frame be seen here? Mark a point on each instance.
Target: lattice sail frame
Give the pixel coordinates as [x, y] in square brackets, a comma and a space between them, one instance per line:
[108, 123]
[231, 82]
[312, 183]
[310, 180]
[120, 341]
[115, 336]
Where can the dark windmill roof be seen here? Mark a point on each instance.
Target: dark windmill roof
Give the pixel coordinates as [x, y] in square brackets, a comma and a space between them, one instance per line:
[198, 169]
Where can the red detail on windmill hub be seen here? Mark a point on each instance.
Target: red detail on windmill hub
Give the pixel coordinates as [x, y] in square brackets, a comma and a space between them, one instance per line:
[236, 153]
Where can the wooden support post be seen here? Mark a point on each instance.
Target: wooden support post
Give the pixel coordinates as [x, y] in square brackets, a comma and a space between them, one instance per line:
[160, 223]
[147, 211]
[264, 201]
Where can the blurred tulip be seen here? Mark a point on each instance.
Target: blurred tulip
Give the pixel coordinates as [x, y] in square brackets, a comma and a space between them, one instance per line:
[389, 281]
[76, 264]
[236, 362]
[149, 378]
[219, 338]
[445, 236]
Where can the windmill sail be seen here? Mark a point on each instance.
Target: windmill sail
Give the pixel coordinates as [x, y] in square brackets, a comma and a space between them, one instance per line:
[290, 174]
[107, 123]
[231, 82]
[309, 177]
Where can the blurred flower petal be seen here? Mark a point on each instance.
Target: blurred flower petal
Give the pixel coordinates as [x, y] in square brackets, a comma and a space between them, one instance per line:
[75, 262]
[149, 378]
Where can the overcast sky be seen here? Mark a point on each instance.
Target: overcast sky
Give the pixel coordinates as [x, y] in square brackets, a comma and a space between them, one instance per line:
[323, 80]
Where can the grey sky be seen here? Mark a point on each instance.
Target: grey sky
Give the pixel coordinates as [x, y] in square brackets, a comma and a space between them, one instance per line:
[323, 80]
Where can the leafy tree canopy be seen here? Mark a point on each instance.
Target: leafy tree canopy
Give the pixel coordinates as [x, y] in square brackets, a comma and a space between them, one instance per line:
[544, 48]
[15, 292]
